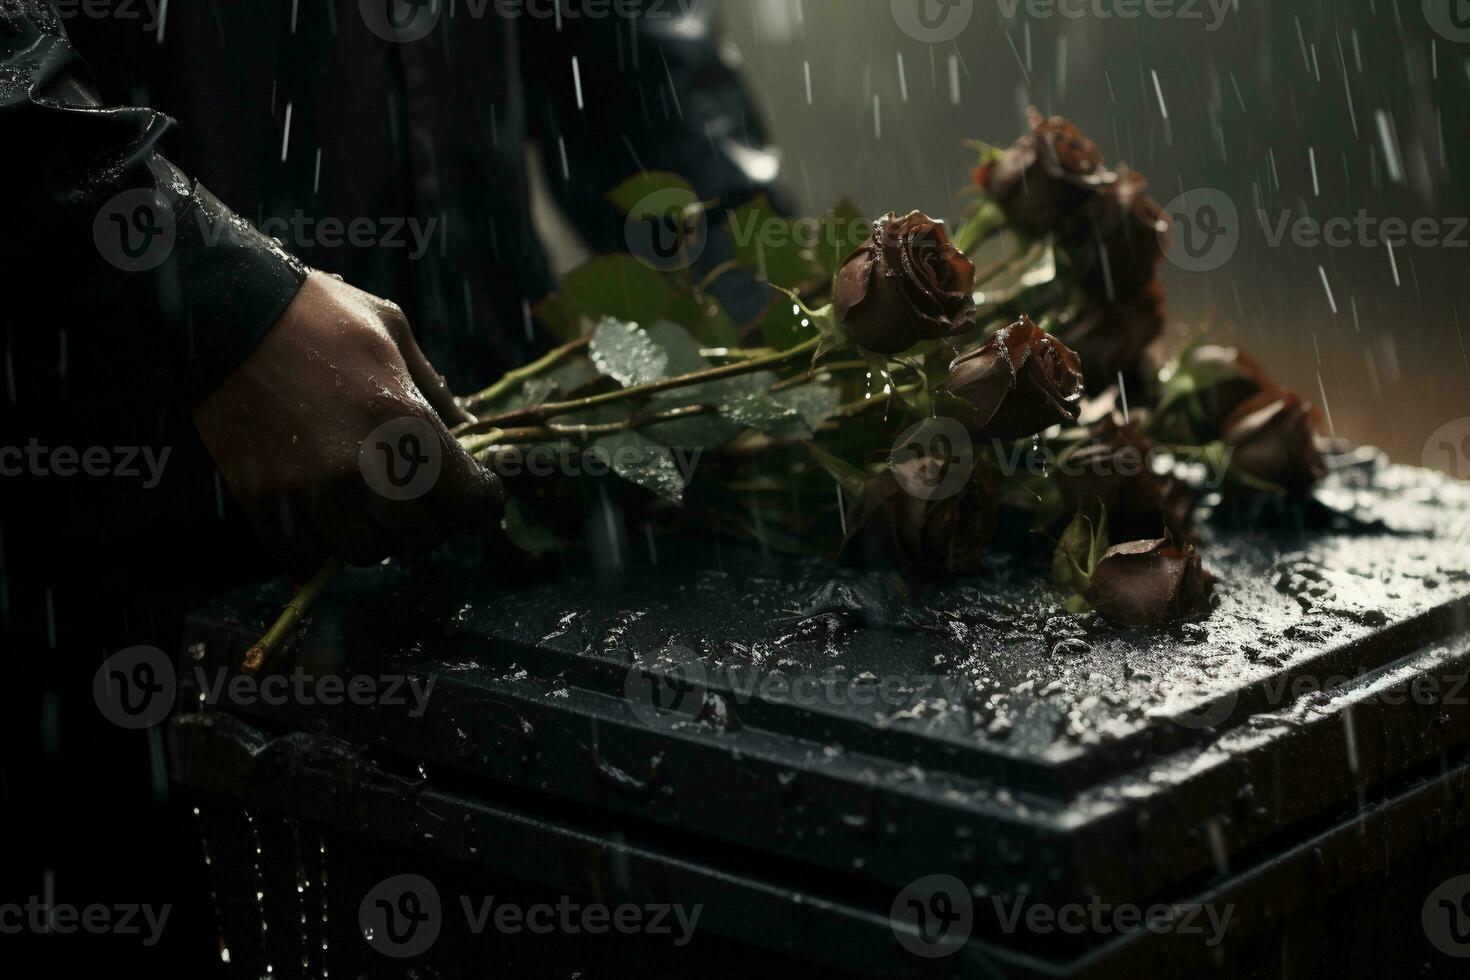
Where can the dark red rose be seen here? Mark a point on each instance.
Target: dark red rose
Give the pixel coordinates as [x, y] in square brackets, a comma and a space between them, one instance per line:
[1110, 338]
[1016, 384]
[1044, 176]
[1241, 378]
[1140, 583]
[1116, 240]
[1111, 470]
[1274, 436]
[930, 538]
[905, 284]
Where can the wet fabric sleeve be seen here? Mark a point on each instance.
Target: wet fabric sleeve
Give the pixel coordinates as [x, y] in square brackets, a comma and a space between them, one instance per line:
[109, 233]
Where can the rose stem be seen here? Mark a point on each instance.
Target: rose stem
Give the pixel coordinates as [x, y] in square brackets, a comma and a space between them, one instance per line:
[980, 226]
[514, 377]
[290, 616]
[540, 413]
[477, 443]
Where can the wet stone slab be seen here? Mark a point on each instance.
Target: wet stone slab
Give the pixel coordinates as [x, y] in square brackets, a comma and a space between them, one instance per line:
[720, 700]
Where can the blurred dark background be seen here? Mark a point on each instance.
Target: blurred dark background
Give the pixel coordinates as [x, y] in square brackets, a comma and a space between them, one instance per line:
[1254, 93]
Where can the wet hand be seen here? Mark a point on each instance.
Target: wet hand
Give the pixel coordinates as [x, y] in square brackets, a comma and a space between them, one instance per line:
[334, 436]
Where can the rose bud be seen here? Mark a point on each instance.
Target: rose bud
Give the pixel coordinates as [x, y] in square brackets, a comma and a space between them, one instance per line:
[1044, 176]
[905, 284]
[1117, 240]
[1274, 436]
[1111, 470]
[930, 538]
[1018, 383]
[1111, 338]
[1240, 376]
[1140, 583]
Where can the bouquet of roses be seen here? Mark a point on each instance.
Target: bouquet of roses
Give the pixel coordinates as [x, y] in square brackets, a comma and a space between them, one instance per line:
[895, 400]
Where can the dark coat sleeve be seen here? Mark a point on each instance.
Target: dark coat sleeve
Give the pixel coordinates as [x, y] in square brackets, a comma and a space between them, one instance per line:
[101, 230]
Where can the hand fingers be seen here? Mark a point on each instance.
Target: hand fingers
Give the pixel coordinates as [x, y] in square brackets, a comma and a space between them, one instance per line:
[466, 494]
[430, 382]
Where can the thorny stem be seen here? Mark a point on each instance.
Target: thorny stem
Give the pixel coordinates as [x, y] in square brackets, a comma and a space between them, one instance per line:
[546, 410]
[265, 648]
[478, 443]
[981, 225]
[514, 377]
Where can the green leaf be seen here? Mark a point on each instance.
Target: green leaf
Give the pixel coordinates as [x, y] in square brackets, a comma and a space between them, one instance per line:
[1077, 553]
[706, 319]
[679, 346]
[618, 286]
[770, 245]
[525, 532]
[627, 195]
[699, 431]
[1221, 460]
[1191, 377]
[625, 353]
[642, 461]
[791, 414]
